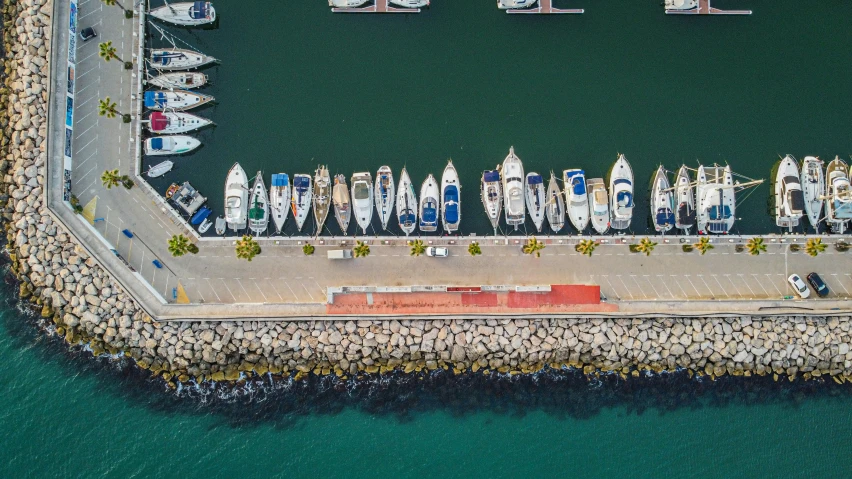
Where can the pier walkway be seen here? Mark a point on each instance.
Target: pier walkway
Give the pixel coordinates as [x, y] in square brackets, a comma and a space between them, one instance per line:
[545, 7]
[704, 8]
[379, 6]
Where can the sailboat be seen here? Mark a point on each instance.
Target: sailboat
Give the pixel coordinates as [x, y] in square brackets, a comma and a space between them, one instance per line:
[662, 202]
[258, 215]
[685, 215]
[598, 204]
[279, 197]
[174, 100]
[362, 199]
[172, 122]
[789, 198]
[179, 80]
[838, 205]
[621, 194]
[406, 204]
[535, 194]
[576, 198]
[342, 206]
[301, 196]
[492, 196]
[384, 192]
[178, 59]
[236, 198]
[555, 205]
[512, 173]
[429, 205]
[813, 189]
[450, 198]
[322, 196]
[185, 13]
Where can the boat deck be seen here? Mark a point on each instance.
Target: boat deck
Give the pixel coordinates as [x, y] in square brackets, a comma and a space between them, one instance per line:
[704, 8]
[545, 7]
[379, 6]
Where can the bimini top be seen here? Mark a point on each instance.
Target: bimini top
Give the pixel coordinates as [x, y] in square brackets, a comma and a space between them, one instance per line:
[665, 216]
[166, 58]
[406, 219]
[578, 185]
[280, 179]
[430, 212]
[302, 182]
[451, 206]
[159, 121]
[199, 10]
[155, 99]
[797, 200]
[625, 199]
[491, 175]
[534, 180]
[156, 143]
[720, 212]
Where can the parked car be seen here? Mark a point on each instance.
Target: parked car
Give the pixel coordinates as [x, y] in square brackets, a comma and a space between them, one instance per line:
[87, 34]
[437, 252]
[818, 285]
[801, 288]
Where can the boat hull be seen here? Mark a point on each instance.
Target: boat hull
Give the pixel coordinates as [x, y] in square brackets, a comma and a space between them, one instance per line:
[535, 197]
[406, 204]
[662, 202]
[838, 203]
[450, 199]
[789, 198]
[179, 80]
[813, 189]
[621, 194]
[322, 196]
[598, 205]
[301, 197]
[184, 14]
[168, 123]
[179, 100]
[576, 198]
[429, 205]
[175, 59]
[259, 206]
[279, 199]
[512, 176]
[236, 198]
[362, 199]
[170, 145]
[685, 200]
[555, 209]
[384, 195]
[492, 196]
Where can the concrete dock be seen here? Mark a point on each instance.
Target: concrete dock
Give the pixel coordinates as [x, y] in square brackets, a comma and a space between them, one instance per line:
[545, 7]
[379, 6]
[704, 8]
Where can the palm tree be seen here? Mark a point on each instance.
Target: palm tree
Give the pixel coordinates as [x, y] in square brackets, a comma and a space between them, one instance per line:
[586, 247]
[110, 3]
[703, 245]
[127, 182]
[417, 247]
[308, 249]
[474, 249]
[361, 249]
[755, 246]
[179, 245]
[814, 246]
[247, 248]
[107, 52]
[107, 108]
[110, 178]
[533, 246]
[645, 246]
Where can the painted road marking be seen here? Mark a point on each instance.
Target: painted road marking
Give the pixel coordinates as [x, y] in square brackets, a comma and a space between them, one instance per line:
[626, 289]
[229, 289]
[213, 289]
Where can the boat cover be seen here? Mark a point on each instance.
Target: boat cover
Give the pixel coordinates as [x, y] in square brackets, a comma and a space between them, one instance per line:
[256, 212]
[685, 214]
[159, 121]
[578, 185]
[406, 219]
[166, 57]
[716, 210]
[625, 199]
[280, 179]
[491, 175]
[665, 217]
[535, 180]
[155, 99]
[430, 212]
[302, 182]
[198, 10]
[202, 215]
[156, 143]
[797, 200]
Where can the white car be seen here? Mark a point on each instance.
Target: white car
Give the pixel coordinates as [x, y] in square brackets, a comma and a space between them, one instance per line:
[437, 252]
[799, 285]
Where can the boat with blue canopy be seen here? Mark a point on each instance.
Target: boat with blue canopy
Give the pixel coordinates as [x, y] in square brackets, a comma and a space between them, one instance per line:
[175, 100]
[492, 196]
[279, 197]
[200, 216]
[170, 145]
[169, 59]
[185, 13]
[662, 202]
[621, 194]
[429, 205]
[301, 198]
[576, 198]
[535, 195]
[450, 199]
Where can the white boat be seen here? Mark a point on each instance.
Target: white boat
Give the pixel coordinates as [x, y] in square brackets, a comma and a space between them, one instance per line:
[685, 200]
[680, 5]
[258, 214]
[838, 205]
[715, 199]
[512, 173]
[174, 100]
[322, 196]
[384, 192]
[621, 194]
[535, 195]
[185, 13]
[555, 205]
[813, 189]
[205, 225]
[236, 198]
[576, 198]
[168, 59]
[789, 198]
[172, 122]
[301, 196]
[179, 80]
[512, 4]
[410, 3]
[220, 225]
[662, 202]
[170, 145]
[342, 205]
[598, 204]
[492, 196]
[406, 204]
[450, 198]
[279, 199]
[160, 169]
[346, 3]
[429, 205]
[362, 199]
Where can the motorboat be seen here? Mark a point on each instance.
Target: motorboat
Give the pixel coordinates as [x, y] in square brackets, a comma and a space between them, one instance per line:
[179, 80]
[554, 206]
[301, 196]
[342, 205]
[174, 100]
[362, 199]
[535, 195]
[715, 198]
[346, 3]
[685, 200]
[450, 198]
[680, 5]
[205, 225]
[384, 192]
[200, 216]
[838, 207]
[171, 190]
[512, 4]
[621, 194]
[406, 204]
[492, 196]
[220, 225]
[598, 204]
[429, 205]
[813, 189]
[279, 199]
[789, 198]
[236, 198]
[512, 173]
[189, 14]
[188, 199]
[258, 215]
[172, 122]
[160, 169]
[168, 59]
[170, 145]
[322, 196]
[662, 202]
[410, 3]
[576, 198]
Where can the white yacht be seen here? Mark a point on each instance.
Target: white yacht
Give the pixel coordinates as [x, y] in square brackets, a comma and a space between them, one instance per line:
[406, 204]
[598, 204]
[813, 189]
[362, 199]
[168, 59]
[512, 173]
[179, 80]
[685, 200]
[300, 199]
[450, 199]
[322, 196]
[715, 198]
[535, 195]
[512, 4]
[555, 205]
[258, 214]
[410, 3]
[171, 122]
[662, 202]
[838, 205]
[185, 13]
[576, 198]
[174, 100]
[236, 198]
[621, 194]
[384, 192]
[170, 145]
[429, 205]
[789, 198]
[492, 196]
[279, 197]
[346, 3]
[342, 205]
[680, 5]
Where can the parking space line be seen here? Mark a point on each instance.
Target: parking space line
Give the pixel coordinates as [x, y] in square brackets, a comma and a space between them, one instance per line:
[693, 285]
[665, 285]
[674, 279]
[308, 291]
[759, 284]
[720, 286]
[656, 293]
[633, 276]
[265, 299]
[213, 289]
[769, 277]
[741, 275]
[229, 289]
[709, 289]
[626, 289]
[291, 290]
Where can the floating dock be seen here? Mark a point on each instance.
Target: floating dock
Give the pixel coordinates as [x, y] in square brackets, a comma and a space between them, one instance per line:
[545, 7]
[703, 7]
[379, 6]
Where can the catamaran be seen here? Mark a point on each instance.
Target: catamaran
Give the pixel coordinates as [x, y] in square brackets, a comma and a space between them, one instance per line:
[258, 215]
[813, 189]
[576, 198]
[789, 198]
[598, 204]
[429, 205]
[236, 198]
[662, 202]
[685, 199]
[535, 194]
[715, 198]
[838, 205]
[555, 205]
[322, 196]
[362, 199]
[492, 196]
[185, 13]
[342, 206]
[279, 196]
[384, 192]
[450, 198]
[160, 169]
[179, 80]
[301, 196]
[170, 145]
[172, 122]
[178, 59]
[621, 194]
[406, 204]
[512, 173]
[175, 100]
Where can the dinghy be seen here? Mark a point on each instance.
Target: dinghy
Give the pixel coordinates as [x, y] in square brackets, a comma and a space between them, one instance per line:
[362, 199]
[813, 189]
[179, 80]
[429, 205]
[258, 215]
[177, 100]
[406, 204]
[160, 169]
[450, 199]
[322, 196]
[168, 59]
[342, 205]
[171, 122]
[236, 198]
[384, 192]
[189, 14]
[512, 173]
[662, 202]
[555, 205]
[621, 194]
[205, 225]
[220, 225]
[838, 205]
[279, 197]
[200, 216]
[789, 198]
[576, 198]
[685, 200]
[301, 197]
[170, 145]
[535, 195]
[598, 204]
[492, 196]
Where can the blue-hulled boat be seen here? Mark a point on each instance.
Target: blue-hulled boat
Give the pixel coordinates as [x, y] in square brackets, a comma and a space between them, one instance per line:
[450, 199]
[200, 216]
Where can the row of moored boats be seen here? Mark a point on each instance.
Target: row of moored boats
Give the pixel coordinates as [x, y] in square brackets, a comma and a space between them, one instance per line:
[803, 190]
